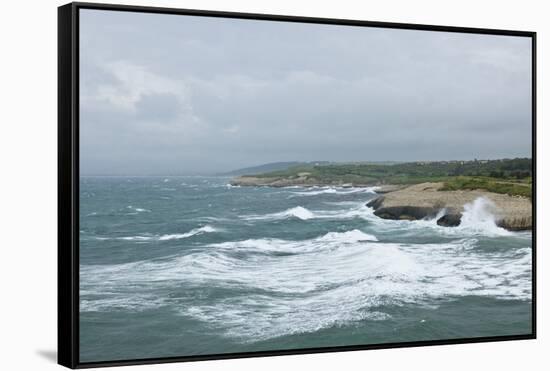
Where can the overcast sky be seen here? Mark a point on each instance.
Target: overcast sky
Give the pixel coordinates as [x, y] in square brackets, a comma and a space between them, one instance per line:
[168, 94]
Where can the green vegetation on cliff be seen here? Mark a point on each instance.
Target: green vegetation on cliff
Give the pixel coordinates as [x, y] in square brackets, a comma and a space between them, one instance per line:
[512, 187]
[506, 176]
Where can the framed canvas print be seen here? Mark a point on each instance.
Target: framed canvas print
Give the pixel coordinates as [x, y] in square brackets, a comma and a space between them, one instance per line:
[237, 185]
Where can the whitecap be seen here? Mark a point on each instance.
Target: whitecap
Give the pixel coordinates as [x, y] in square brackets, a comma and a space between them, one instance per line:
[294, 212]
[328, 241]
[336, 190]
[166, 237]
[315, 193]
[194, 232]
[137, 238]
[348, 237]
[358, 210]
[330, 280]
[138, 209]
[298, 212]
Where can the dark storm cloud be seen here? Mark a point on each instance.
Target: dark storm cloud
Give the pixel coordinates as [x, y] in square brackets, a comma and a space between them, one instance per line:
[164, 94]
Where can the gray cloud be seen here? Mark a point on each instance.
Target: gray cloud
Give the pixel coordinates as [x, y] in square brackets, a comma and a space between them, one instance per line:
[165, 94]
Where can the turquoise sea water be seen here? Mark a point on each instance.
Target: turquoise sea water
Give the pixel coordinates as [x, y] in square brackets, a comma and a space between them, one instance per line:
[177, 266]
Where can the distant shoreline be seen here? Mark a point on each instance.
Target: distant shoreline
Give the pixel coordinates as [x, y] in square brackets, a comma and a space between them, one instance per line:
[507, 176]
[300, 181]
[414, 191]
[428, 200]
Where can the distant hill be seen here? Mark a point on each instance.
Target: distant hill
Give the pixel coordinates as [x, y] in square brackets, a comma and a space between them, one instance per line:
[273, 166]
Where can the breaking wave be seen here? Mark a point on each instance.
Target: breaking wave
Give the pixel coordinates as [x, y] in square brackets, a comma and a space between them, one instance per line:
[278, 287]
[166, 237]
[348, 265]
[357, 210]
[295, 212]
[333, 190]
[194, 232]
[480, 216]
[327, 241]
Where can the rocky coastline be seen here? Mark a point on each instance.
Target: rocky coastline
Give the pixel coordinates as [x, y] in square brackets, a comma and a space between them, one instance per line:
[418, 201]
[425, 200]
[302, 180]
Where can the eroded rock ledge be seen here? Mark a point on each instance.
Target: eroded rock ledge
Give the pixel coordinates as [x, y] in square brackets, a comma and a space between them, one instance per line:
[425, 200]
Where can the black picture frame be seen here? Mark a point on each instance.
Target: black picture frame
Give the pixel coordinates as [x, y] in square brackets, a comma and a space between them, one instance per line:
[68, 181]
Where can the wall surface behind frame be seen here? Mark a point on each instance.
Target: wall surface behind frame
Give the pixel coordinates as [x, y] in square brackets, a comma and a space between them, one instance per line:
[28, 155]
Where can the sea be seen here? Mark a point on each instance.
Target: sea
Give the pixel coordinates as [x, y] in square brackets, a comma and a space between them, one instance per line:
[183, 266]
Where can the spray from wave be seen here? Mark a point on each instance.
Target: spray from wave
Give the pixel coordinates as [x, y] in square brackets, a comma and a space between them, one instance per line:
[479, 217]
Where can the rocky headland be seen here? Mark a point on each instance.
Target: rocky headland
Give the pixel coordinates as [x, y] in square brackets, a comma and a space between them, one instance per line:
[427, 200]
[303, 179]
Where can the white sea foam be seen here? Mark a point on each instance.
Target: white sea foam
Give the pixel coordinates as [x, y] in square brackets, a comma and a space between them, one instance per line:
[332, 287]
[440, 214]
[138, 209]
[315, 193]
[115, 301]
[358, 210]
[478, 219]
[285, 287]
[277, 287]
[167, 237]
[194, 232]
[137, 238]
[328, 241]
[294, 212]
[350, 236]
[335, 190]
[298, 212]
[479, 216]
